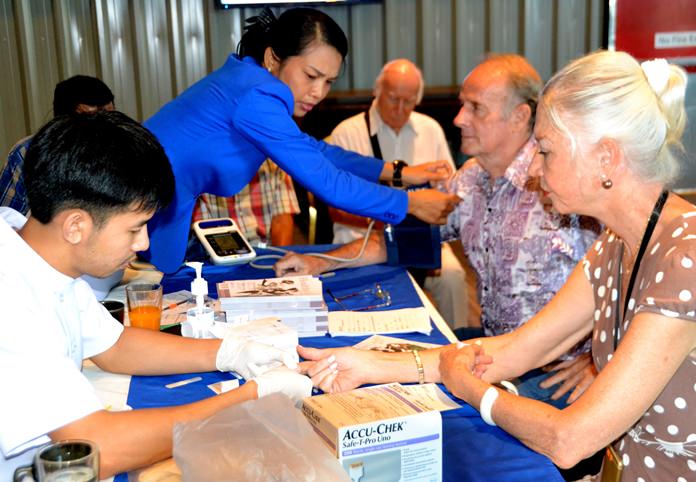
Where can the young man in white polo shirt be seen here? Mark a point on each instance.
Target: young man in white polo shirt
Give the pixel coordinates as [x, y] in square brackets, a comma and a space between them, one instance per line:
[93, 182]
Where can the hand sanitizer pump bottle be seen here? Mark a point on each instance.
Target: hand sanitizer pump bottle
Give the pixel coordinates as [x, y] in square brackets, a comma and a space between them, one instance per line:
[200, 319]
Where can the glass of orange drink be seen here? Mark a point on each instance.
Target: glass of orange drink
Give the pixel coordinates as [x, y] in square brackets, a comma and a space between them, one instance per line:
[144, 305]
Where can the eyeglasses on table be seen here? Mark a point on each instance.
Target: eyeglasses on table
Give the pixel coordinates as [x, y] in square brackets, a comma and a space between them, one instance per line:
[363, 300]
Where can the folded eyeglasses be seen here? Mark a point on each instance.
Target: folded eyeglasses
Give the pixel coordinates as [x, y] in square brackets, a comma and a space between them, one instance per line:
[372, 298]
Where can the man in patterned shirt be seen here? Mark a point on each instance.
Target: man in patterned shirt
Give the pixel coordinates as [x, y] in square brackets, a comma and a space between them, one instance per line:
[263, 210]
[521, 250]
[78, 94]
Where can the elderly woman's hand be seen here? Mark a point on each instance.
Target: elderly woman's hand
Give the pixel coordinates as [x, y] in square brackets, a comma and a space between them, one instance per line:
[459, 360]
[335, 369]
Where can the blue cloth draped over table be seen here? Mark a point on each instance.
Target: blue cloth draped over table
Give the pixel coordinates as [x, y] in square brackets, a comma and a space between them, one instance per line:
[472, 450]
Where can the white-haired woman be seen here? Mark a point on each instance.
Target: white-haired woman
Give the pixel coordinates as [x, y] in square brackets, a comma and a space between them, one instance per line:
[608, 129]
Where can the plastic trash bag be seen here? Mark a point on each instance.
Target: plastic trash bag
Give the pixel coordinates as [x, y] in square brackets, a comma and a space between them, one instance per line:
[261, 440]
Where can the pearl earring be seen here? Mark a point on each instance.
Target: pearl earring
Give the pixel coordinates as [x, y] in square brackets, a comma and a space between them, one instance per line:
[606, 183]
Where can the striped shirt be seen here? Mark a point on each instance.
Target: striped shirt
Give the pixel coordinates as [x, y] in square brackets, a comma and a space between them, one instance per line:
[270, 193]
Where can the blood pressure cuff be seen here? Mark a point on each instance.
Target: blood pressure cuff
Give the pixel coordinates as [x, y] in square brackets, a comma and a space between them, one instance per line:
[413, 244]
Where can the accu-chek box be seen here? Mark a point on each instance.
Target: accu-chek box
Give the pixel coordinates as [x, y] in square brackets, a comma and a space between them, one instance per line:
[399, 443]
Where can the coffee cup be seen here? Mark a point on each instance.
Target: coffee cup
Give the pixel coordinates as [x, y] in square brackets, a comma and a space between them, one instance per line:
[116, 308]
[67, 460]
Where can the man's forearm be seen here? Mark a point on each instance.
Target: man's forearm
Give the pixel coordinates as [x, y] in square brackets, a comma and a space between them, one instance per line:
[145, 352]
[375, 252]
[387, 172]
[282, 226]
[138, 438]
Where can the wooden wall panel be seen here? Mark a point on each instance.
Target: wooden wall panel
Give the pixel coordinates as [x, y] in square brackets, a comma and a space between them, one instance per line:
[189, 42]
[77, 38]
[401, 25]
[154, 59]
[504, 25]
[538, 30]
[14, 122]
[437, 43]
[39, 57]
[117, 51]
[471, 35]
[366, 37]
[571, 31]
[224, 33]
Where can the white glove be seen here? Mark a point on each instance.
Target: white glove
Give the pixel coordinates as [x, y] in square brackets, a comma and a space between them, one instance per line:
[286, 381]
[241, 355]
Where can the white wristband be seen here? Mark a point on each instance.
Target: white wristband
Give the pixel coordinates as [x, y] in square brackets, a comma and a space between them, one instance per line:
[486, 405]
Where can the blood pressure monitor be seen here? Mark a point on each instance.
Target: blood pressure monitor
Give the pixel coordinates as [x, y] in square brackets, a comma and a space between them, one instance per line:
[223, 241]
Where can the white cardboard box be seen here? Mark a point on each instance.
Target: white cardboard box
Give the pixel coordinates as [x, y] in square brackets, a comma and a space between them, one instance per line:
[385, 432]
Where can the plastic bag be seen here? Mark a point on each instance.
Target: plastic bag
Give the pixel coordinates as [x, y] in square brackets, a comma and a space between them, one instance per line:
[261, 440]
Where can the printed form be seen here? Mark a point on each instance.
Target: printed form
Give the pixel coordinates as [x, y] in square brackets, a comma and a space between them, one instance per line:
[406, 320]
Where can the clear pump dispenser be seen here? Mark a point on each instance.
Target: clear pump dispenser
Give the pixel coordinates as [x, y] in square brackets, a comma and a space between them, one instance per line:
[199, 320]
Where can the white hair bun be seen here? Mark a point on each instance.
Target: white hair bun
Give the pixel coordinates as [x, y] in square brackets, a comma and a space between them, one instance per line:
[657, 72]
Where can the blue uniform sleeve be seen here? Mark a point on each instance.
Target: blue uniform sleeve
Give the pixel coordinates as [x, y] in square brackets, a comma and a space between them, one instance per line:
[263, 119]
[366, 167]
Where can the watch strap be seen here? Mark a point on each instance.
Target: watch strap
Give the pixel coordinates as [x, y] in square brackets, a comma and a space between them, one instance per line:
[396, 176]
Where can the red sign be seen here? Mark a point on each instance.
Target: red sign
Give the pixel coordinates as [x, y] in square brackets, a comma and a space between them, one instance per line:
[649, 29]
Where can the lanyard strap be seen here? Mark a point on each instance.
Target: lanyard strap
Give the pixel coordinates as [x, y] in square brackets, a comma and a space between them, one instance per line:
[376, 150]
[654, 217]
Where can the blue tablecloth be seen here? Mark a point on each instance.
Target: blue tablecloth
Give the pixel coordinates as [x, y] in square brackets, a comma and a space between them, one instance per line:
[472, 450]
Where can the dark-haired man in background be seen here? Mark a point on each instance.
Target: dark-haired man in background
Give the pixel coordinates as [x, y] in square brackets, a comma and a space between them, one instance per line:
[93, 182]
[78, 94]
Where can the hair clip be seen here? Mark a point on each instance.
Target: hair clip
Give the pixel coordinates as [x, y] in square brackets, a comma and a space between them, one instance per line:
[264, 20]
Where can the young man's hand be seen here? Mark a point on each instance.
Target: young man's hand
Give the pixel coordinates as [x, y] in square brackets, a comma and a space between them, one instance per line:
[283, 380]
[250, 357]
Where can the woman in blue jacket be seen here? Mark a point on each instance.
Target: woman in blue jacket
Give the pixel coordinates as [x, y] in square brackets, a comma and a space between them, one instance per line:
[219, 131]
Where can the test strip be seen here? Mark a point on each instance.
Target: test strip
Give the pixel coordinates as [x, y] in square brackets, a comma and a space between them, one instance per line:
[181, 383]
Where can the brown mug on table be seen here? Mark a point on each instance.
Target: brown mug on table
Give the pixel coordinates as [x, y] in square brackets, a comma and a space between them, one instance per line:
[116, 308]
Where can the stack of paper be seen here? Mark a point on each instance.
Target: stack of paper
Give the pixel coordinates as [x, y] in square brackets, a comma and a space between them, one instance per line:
[297, 301]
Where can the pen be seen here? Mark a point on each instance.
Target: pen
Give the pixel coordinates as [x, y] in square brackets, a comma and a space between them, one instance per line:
[174, 305]
[181, 383]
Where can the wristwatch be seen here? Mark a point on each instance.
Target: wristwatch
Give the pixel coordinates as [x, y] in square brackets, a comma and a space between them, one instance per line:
[396, 176]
